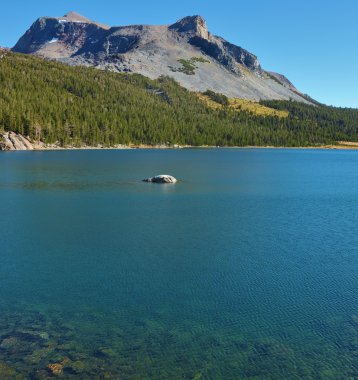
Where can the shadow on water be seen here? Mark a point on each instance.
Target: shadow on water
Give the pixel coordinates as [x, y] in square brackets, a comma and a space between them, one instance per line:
[71, 186]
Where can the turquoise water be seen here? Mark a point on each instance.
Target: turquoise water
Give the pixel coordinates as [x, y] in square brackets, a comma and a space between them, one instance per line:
[245, 269]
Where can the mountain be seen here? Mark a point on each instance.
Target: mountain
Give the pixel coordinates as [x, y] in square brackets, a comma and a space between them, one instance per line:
[185, 50]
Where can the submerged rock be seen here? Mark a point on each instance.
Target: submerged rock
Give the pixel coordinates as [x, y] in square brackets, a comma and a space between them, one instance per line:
[162, 178]
[7, 372]
[56, 368]
[76, 367]
[9, 343]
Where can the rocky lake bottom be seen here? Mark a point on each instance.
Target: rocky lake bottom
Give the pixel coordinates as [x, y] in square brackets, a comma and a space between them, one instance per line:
[244, 269]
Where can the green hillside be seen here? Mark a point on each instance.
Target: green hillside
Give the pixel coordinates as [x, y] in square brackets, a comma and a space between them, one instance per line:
[77, 105]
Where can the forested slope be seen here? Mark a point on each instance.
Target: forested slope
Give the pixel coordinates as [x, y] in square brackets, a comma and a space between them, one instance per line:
[53, 102]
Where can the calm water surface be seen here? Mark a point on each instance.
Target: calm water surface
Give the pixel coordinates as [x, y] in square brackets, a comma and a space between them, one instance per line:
[245, 269]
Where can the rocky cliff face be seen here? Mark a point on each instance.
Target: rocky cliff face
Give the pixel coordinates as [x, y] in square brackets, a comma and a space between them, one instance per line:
[14, 141]
[58, 37]
[194, 25]
[185, 50]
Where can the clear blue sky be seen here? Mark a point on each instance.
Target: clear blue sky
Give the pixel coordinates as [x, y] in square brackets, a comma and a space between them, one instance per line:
[312, 42]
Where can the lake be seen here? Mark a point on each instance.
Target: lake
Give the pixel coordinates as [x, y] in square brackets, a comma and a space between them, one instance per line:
[247, 268]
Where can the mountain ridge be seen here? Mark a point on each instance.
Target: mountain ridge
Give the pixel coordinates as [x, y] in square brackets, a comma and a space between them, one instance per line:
[184, 50]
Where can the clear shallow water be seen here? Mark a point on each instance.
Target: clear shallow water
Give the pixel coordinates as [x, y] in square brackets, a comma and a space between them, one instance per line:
[245, 269]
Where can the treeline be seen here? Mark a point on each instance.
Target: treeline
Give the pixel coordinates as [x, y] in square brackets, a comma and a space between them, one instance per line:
[339, 122]
[217, 97]
[77, 105]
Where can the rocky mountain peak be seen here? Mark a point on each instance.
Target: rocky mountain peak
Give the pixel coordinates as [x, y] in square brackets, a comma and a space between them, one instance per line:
[194, 24]
[74, 16]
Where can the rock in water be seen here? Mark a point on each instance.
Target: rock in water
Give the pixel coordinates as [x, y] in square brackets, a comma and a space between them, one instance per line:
[162, 178]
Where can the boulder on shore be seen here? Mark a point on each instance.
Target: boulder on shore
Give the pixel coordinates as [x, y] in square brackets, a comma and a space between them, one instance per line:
[15, 141]
[162, 178]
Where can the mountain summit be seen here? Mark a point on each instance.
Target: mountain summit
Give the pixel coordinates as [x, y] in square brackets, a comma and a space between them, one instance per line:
[73, 16]
[195, 24]
[76, 17]
[185, 50]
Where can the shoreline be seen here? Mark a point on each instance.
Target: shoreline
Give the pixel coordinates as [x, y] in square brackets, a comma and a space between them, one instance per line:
[17, 142]
[154, 147]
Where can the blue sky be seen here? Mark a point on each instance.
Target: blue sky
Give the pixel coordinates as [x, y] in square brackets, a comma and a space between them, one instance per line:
[312, 42]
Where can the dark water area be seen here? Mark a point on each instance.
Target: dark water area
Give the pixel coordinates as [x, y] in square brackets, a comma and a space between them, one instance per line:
[247, 268]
